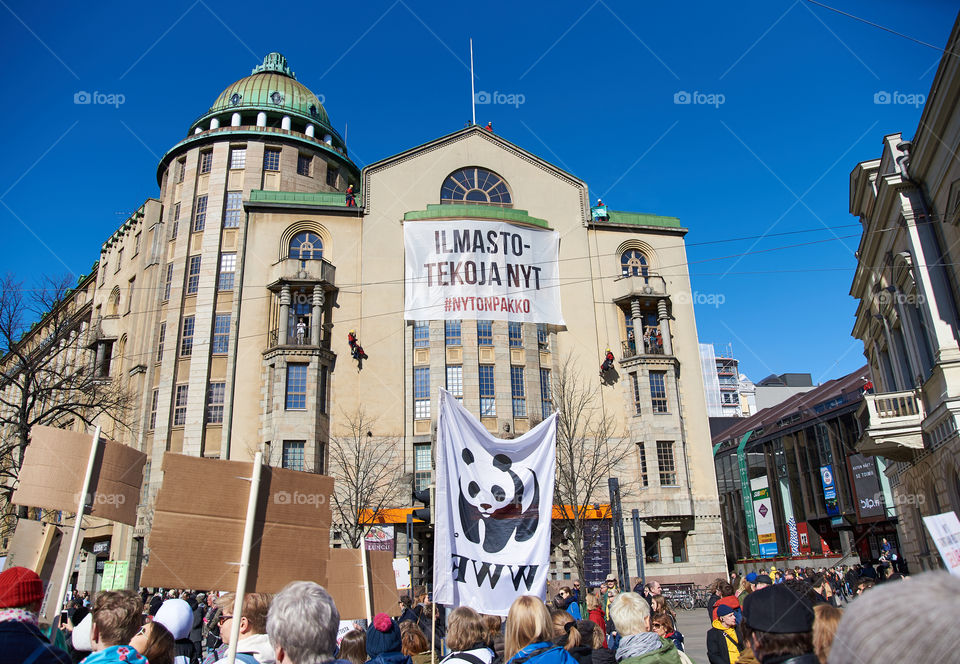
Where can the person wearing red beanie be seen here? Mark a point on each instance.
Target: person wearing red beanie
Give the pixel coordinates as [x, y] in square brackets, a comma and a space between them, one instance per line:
[21, 594]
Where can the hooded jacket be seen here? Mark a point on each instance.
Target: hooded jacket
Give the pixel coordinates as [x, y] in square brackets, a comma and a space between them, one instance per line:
[723, 644]
[257, 645]
[116, 655]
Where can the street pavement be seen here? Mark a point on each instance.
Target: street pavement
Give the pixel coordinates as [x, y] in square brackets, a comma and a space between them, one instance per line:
[694, 625]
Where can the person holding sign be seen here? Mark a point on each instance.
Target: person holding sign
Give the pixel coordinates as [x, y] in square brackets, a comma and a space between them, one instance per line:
[21, 594]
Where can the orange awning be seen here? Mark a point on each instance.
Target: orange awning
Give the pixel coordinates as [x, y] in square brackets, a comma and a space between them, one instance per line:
[399, 514]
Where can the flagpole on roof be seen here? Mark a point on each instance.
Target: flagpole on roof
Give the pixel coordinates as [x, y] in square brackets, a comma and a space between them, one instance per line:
[473, 97]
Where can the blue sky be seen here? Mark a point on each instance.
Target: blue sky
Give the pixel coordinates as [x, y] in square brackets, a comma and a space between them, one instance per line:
[782, 106]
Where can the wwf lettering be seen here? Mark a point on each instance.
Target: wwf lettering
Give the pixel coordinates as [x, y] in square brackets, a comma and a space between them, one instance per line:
[466, 570]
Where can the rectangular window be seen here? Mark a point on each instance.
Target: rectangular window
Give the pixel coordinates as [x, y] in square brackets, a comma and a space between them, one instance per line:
[206, 161]
[546, 399]
[642, 446]
[651, 547]
[332, 174]
[421, 333]
[186, 337]
[679, 547]
[228, 268]
[168, 282]
[180, 406]
[193, 275]
[455, 381]
[665, 464]
[296, 387]
[233, 209]
[488, 401]
[323, 389]
[130, 290]
[116, 268]
[303, 164]
[293, 455]
[136, 244]
[421, 393]
[543, 336]
[484, 332]
[103, 272]
[221, 334]
[452, 332]
[635, 381]
[215, 395]
[175, 224]
[163, 336]
[154, 399]
[181, 169]
[515, 331]
[422, 466]
[238, 158]
[658, 391]
[271, 159]
[518, 392]
[200, 214]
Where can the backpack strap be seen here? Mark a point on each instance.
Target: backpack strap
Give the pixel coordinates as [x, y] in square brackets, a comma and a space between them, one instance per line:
[246, 658]
[465, 656]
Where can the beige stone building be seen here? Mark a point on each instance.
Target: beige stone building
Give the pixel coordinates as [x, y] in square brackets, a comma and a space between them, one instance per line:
[226, 302]
[908, 289]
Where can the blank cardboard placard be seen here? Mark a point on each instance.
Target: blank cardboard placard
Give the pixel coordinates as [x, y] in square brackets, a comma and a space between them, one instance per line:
[54, 466]
[345, 583]
[204, 501]
[42, 547]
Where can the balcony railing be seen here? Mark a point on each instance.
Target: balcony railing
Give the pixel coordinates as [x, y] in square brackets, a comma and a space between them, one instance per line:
[291, 339]
[652, 285]
[629, 348]
[891, 424]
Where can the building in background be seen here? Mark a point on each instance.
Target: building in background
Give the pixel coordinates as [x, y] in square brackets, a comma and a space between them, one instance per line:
[907, 287]
[792, 483]
[721, 381]
[226, 306]
[775, 389]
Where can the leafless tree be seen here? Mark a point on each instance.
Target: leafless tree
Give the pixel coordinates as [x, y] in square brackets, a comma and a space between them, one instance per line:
[589, 451]
[46, 374]
[368, 475]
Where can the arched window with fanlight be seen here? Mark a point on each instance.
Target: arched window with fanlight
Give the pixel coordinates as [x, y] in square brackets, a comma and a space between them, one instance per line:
[306, 246]
[633, 264]
[475, 186]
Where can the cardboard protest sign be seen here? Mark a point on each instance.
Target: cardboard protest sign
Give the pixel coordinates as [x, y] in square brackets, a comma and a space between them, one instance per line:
[43, 548]
[345, 582]
[53, 470]
[205, 501]
[945, 531]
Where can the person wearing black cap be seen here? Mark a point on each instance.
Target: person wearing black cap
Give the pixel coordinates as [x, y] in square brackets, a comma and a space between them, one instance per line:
[724, 642]
[778, 626]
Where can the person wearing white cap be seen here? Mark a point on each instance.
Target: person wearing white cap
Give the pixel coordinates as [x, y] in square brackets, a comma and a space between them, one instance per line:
[168, 634]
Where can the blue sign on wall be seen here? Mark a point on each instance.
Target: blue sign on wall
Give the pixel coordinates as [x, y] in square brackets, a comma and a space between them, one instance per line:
[596, 551]
[829, 490]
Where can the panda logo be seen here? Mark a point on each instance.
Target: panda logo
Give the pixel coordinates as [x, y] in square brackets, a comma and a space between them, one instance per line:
[496, 499]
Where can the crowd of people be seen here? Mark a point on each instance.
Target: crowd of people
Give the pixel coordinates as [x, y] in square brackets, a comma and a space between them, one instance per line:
[768, 620]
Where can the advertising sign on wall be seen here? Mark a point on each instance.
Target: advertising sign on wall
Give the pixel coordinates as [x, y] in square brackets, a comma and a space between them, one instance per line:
[829, 490]
[379, 538]
[490, 270]
[596, 551]
[866, 484]
[763, 514]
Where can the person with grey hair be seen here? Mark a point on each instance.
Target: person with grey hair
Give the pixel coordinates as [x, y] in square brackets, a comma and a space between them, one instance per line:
[861, 634]
[302, 624]
[639, 645]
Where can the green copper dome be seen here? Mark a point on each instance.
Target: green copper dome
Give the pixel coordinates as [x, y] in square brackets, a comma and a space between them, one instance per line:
[271, 85]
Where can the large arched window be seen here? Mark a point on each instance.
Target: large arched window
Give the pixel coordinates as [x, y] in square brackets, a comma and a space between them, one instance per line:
[633, 264]
[476, 186]
[306, 246]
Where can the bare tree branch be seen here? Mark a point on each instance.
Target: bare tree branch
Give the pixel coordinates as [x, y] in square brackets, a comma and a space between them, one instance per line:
[367, 469]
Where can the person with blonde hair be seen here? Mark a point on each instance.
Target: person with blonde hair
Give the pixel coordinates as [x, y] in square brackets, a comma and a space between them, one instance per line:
[638, 644]
[826, 618]
[467, 638]
[529, 636]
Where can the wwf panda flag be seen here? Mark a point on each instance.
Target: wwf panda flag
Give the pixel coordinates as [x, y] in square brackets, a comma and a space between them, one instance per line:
[494, 503]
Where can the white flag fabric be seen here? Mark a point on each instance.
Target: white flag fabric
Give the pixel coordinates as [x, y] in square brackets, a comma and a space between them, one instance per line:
[487, 270]
[494, 504]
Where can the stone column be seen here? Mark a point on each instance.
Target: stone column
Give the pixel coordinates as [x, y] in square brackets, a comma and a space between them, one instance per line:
[637, 327]
[284, 315]
[316, 319]
[663, 320]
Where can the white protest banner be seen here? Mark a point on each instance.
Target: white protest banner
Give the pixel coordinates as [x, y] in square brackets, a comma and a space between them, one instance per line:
[494, 504]
[486, 270]
[945, 531]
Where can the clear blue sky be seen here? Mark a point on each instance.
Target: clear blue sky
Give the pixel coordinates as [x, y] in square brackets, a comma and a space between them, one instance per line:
[598, 82]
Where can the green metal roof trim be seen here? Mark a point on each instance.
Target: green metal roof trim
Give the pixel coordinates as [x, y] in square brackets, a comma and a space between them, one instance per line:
[334, 198]
[641, 219]
[437, 211]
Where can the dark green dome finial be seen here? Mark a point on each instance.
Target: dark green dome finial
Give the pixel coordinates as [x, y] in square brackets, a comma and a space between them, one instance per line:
[274, 62]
